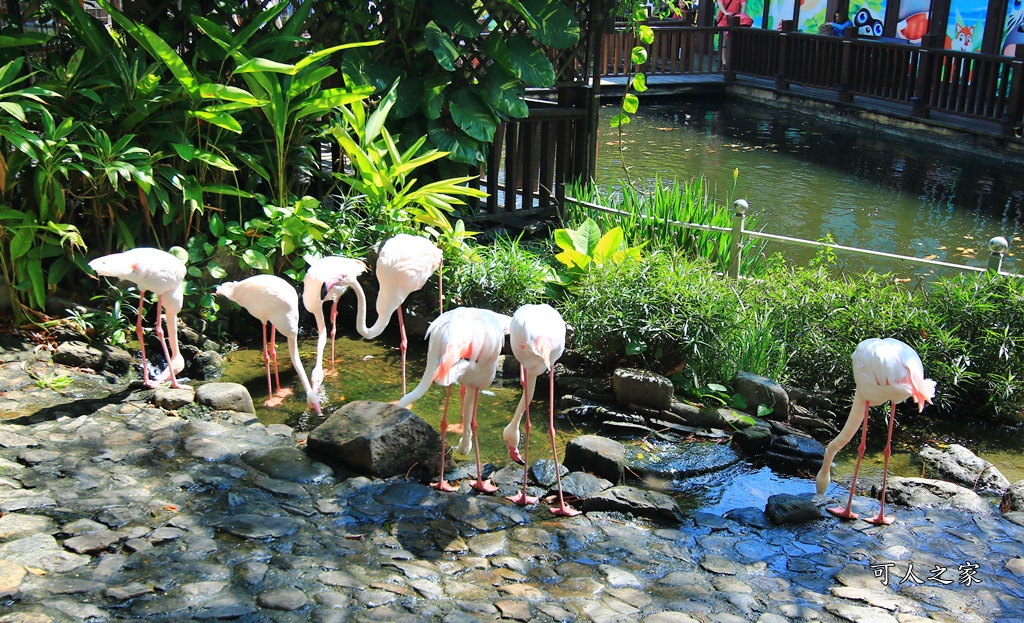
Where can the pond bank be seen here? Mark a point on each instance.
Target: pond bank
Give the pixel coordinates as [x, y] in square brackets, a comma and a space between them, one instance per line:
[133, 512]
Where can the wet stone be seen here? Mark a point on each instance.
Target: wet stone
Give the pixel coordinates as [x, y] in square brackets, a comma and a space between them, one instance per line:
[287, 598]
[93, 542]
[860, 614]
[257, 526]
[11, 576]
[127, 591]
[16, 525]
[719, 565]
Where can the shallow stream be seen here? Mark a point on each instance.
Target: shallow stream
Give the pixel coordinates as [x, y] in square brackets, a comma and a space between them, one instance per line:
[371, 370]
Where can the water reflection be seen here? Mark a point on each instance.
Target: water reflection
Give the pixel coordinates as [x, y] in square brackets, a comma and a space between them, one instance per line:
[808, 177]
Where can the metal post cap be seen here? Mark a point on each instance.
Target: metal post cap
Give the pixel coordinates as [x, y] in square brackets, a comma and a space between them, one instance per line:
[998, 245]
[740, 206]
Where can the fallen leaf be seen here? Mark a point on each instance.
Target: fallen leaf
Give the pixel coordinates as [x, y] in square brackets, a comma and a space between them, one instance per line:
[931, 257]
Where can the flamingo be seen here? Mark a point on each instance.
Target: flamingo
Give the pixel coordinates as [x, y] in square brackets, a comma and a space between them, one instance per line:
[537, 333]
[341, 271]
[884, 370]
[463, 347]
[164, 275]
[404, 264]
[272, 299]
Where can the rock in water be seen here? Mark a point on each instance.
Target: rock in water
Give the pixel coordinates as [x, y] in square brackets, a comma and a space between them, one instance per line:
[377, 439]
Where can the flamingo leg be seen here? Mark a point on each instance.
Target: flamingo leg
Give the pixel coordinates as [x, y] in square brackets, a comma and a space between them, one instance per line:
[522, 499]
[563, 509]
[482, 485]
[440, 286]
[163, 344]
[403, 344]
[441, 485]
[142, 342]
[334, 329]
[266, 362]
[881, 519]
[847, 513]
[273, 355]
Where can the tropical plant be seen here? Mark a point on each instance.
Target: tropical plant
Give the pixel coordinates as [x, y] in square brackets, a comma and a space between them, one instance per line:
[384, 179]
[501, 275]
[586, 247]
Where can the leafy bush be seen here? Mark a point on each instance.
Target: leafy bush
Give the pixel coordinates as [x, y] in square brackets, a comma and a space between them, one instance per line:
[500, 276]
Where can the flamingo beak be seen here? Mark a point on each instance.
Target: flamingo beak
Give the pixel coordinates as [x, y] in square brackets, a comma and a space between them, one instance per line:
[513, 453]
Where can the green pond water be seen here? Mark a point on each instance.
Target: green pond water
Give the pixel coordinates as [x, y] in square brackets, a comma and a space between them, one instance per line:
[807, 177]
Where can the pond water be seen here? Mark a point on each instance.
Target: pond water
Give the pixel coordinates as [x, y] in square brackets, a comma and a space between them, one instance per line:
[808, 177]
[371, 370]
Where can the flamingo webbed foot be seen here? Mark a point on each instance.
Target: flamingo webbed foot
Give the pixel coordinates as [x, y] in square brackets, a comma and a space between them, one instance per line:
[273, 401]
[522, 499]
[565, 511]
[843, 513]
[443, 485]
[484, 486]
[284, 392]
[880, 520]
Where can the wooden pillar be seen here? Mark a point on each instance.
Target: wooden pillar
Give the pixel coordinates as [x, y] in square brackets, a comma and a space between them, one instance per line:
[845, 72]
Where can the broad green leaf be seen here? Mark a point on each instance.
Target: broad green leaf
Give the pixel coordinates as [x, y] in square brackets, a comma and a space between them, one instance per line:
[619, 119]
[630, 103]
[327, 100]
[764, 410]
[646, 34]
[221, 120]
[639, 82]
[520, 57]
[460, 146]
[505, 94]
[210, 90]
[14, 110]
[585, 238]
[563, 238]
[11, 71]
[309, 79]
[185, 151]
[433, 95]
[457, 18]
[226, 189]
[470, 114]
[216, 225]
[35, 273]
[264, 65]
[573, 258]
[638, 56]
[22, 241]
[255, 259]
[23, 39]
[608, 245]
[375, 122]
[441, 45]
[214, 160]
[556, 24]
[715, 387]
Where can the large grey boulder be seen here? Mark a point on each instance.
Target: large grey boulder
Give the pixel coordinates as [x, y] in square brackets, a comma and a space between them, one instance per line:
[936, 493]
[99, 357]
[600, 456]
[761, 390]
[225, 397]
[784, 508]
[639, 502]
[642, 388]
[960, 465]
[377, 439]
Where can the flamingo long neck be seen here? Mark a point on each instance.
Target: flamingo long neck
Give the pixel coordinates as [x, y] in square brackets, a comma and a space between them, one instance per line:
[511, 432]
[429, 373]
[382, 319]
[293, 351]
[858, 411]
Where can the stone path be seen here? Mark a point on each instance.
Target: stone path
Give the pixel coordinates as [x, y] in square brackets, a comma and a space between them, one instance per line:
[133, 512]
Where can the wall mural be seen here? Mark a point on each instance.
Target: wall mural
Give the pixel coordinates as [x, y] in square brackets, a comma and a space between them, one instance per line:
[912, 21]
[966, 26]
[868, 17]
[1013, 30]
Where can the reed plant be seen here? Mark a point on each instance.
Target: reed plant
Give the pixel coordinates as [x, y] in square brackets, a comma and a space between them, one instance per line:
[656, 216]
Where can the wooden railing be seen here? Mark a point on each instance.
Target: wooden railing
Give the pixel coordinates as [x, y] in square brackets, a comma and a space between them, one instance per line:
[927, 80]
[532, 159]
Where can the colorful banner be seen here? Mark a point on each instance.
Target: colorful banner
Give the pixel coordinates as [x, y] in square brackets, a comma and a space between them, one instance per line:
[912, 20]
[1013, 29]
[813, 15]
[868, 17]
[779, 11]
[966, 26]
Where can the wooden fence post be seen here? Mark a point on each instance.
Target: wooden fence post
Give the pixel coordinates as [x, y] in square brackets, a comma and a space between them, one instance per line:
[844, 87]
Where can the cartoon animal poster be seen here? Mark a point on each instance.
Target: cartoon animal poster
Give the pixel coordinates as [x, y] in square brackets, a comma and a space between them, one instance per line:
[966, 26]
[912, 20]
[1013, 30]
[813, 13]
[755, 9]
[868, 17]
[778, 11]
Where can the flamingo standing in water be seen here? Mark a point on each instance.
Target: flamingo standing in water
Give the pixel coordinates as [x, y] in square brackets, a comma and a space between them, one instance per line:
[463, 347]
[403, 266]
[883, 370]
[537, 333]
[272, 299]
[340, 271]
[164, 275]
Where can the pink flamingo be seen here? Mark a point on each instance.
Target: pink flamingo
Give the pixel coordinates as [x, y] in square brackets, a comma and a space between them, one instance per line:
[164, 275]
[340, 271]
[537, 333]
[883, 370]
[463, 347]
[403, 266]
[274, 300]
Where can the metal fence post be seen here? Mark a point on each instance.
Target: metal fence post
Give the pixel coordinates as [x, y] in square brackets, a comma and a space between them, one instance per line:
[998, 247]
[739, 214]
